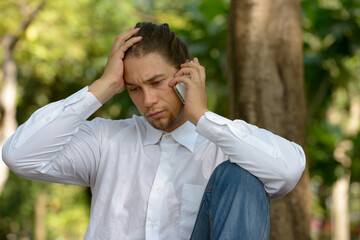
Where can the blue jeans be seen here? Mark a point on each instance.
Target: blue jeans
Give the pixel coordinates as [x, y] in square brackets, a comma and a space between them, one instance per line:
[235, 206]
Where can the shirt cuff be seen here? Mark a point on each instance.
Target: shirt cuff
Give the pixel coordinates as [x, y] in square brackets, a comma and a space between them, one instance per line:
[210, 125]
[83, 103]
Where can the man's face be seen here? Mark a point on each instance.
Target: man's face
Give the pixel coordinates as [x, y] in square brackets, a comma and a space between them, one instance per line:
[147, 81]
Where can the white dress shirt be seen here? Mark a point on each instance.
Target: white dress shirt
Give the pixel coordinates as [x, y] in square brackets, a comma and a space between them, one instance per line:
[146, 183]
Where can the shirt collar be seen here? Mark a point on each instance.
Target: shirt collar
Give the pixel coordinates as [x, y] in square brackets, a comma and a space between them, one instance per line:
[152, 135]
[185, 135]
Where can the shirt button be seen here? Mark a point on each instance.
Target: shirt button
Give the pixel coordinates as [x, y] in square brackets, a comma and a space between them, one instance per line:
[167, 159]
[152, 225]
[85, 105]
[47, 118]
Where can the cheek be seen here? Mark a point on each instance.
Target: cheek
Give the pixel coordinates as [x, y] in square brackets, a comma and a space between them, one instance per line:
[137, 101]
[175, 102]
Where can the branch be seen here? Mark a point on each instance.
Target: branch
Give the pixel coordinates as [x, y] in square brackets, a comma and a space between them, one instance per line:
[9, 40]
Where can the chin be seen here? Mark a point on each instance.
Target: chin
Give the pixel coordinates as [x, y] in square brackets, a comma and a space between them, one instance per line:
[161, 126]
[168, 122]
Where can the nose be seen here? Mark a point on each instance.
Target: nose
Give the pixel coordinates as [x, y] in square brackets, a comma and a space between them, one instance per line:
[150, 98]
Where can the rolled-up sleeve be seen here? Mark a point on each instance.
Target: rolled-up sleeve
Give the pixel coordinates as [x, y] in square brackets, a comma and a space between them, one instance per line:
[275, 161]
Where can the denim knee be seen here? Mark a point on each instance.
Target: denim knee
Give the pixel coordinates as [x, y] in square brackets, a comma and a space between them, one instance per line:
[233, 174]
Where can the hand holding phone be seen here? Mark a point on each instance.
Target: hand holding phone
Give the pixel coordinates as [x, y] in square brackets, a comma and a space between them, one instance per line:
[193, 88]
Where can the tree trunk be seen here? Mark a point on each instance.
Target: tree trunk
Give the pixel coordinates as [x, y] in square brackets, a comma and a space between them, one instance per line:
[267, 89]
[340, 222]
[8, 123]
[40, 214]
[7, 102]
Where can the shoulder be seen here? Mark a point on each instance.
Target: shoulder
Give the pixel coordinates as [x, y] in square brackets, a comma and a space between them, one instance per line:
[109, 127]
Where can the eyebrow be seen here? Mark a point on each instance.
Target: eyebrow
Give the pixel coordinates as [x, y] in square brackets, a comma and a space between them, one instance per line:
[147, 80]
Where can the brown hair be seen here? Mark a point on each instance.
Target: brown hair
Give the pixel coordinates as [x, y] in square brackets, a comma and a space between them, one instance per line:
[159, 39]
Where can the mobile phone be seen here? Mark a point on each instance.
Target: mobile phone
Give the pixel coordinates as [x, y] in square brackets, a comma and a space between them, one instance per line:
[180, 89]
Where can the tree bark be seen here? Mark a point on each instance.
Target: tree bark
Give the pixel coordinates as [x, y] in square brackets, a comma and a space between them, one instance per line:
[40, 214]
[340, 222]
[266, 86]
[7, 102]
[9, 84]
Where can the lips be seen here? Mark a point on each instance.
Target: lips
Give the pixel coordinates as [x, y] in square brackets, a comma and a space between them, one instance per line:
[155, 115]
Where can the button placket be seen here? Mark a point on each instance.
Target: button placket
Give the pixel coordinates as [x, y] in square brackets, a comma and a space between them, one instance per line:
[158, 190]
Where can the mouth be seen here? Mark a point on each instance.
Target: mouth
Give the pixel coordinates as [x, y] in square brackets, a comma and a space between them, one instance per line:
[155, 115]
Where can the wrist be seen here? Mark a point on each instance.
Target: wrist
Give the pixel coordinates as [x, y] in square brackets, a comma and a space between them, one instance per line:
[103, 90]
[195, 119]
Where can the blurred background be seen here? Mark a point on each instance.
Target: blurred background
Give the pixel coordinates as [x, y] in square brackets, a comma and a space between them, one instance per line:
[51, 49]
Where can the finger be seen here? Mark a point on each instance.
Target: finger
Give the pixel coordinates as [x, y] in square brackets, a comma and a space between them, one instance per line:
[129, 43]
[200, 69]
[122, 38]
[185, 71]
[178, 73]
[189, 64]
[176, 80]
[196, 60]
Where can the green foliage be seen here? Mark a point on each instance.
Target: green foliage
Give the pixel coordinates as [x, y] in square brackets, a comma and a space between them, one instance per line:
[331, 59]
[322, 140]
[355, 156]
[66, 48]
[331, 30]
[69, 211]
[17, 206]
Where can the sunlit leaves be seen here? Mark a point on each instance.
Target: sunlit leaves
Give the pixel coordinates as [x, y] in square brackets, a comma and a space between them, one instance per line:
[331, 57]
[66, 48]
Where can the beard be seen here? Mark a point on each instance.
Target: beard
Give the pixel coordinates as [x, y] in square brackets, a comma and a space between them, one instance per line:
[167, 122]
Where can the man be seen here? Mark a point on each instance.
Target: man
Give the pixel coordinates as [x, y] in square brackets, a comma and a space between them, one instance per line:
[179, 171]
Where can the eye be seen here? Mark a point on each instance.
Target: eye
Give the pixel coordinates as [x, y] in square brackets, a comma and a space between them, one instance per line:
[133, 89]
[157, 82]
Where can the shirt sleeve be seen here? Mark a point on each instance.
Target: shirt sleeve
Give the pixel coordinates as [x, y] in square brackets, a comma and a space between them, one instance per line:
[275, 161]
[55, 144]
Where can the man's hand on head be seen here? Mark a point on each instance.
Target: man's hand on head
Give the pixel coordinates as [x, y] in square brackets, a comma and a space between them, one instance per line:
[112, 81]
[196, 97]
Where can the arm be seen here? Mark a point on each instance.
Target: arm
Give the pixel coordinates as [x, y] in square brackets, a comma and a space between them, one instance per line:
[112, 81]
[277, 162]
[56, 144]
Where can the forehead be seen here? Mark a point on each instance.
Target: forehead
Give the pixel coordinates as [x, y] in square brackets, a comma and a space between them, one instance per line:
[144, 67]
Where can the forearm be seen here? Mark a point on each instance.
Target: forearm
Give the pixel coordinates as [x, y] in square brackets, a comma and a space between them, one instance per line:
[277, 162]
